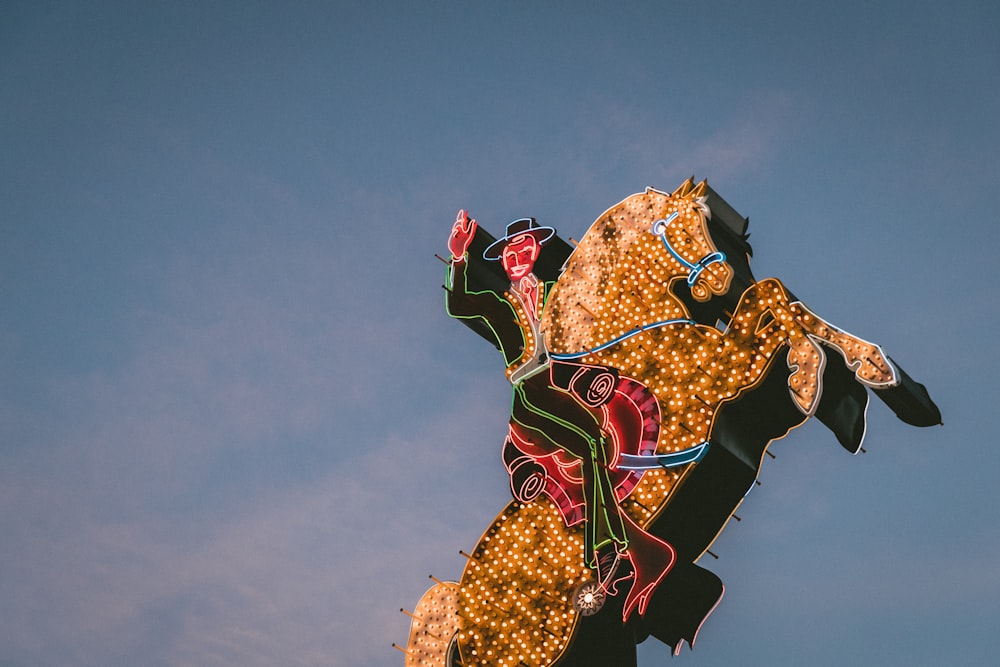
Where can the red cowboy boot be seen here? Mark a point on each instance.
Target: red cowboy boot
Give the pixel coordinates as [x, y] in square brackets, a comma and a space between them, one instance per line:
[651, 559]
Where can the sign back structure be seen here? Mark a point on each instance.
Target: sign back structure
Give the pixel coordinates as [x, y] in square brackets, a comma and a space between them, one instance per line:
[650, 371]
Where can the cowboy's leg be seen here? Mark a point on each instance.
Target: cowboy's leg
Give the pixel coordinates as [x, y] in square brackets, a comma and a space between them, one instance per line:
[561, 420]
[609, 526]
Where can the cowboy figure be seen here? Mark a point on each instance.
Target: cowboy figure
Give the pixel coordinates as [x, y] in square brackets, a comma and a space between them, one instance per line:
[548, 416]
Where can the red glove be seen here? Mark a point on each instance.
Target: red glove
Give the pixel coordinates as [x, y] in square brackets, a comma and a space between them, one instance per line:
[461, 234]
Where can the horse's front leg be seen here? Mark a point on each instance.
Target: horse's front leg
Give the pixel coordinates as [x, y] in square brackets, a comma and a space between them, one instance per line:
[761, 324]
[808, 336]
[871, 366]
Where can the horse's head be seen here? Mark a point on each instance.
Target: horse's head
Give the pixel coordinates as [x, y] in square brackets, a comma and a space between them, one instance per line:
[679, 224]
[620, 278]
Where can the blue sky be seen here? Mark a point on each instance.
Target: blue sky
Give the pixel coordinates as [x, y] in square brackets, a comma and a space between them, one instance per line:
[236, 426]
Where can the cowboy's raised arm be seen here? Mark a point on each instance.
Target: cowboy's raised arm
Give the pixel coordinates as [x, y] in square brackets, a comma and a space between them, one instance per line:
[459, 301]
[461, 236]
[462, 232]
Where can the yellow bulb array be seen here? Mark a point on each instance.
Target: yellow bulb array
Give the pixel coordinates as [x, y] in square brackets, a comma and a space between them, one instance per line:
[516, 596]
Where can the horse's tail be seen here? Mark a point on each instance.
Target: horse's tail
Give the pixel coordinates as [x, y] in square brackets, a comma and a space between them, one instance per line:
[435, 622]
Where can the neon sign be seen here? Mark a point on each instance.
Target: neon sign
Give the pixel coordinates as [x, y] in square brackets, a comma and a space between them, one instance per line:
[622, 389]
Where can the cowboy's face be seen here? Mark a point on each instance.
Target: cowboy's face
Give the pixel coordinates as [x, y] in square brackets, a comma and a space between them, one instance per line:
[519, 256]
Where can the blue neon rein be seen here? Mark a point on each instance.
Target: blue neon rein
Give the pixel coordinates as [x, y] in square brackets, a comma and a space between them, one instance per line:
[653, 461]
[567, 356]
[694, 270]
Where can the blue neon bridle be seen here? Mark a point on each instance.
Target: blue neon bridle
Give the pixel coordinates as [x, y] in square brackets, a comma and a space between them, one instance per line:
[694, 270]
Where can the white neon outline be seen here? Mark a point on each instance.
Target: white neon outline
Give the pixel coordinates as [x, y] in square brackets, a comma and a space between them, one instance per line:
[677, 649]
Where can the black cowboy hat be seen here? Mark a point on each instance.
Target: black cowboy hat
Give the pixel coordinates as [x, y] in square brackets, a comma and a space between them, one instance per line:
[519, 228]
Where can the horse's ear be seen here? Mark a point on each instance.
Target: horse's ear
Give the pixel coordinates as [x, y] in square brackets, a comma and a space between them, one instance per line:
[699, 190]
[684, 188]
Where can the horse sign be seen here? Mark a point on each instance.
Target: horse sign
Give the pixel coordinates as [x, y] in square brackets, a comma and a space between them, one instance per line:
[649, 373]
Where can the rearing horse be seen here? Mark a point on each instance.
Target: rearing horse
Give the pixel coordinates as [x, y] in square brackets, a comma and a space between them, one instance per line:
[525, 587]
